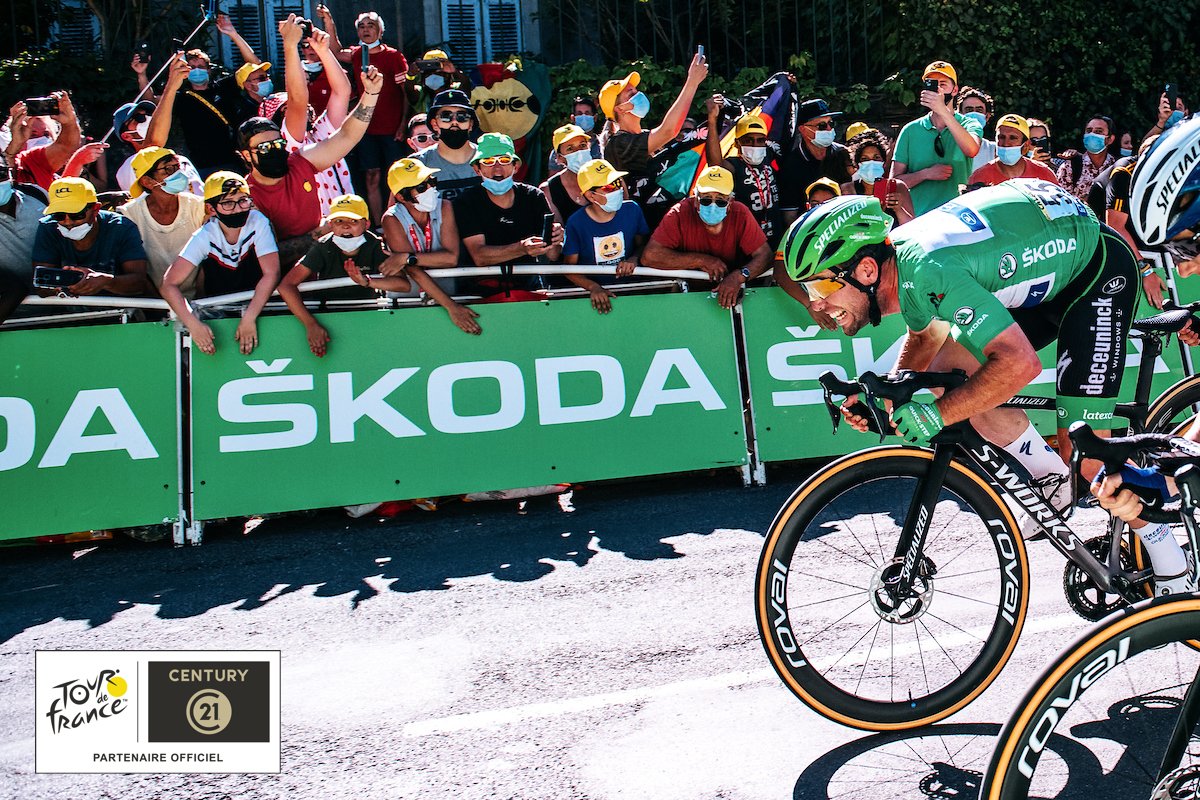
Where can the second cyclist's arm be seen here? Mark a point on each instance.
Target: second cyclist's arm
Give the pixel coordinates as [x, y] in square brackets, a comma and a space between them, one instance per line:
[1010, 365]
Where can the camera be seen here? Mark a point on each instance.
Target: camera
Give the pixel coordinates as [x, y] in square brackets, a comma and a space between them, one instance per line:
[429, 64]
[41, 106]
[306, 28]
[143, 52]
[931, 85]
[1041, 143]
[55, 278]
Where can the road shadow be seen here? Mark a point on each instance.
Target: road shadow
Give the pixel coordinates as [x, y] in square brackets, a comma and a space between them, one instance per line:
[416, 551]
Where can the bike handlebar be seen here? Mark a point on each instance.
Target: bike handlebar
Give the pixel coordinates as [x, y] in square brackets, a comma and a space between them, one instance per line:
[898, 387]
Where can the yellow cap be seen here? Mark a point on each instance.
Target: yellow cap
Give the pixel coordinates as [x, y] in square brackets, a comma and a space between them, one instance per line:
[349, 206]
[222, 183]
[70, 195]
[596, 173]
[824, 183]
[608, 94]
[408, 172]
[1014, 121]
[143, 162]
[430, 55]
[749, 123]
[941, 68]
[855, 128]
[715, 179]
[566, 133]
[246, 70]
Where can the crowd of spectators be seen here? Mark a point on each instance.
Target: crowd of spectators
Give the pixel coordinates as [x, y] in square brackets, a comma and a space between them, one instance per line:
[359, 163]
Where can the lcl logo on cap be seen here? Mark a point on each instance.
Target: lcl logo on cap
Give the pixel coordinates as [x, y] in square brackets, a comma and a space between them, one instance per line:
[62, 190]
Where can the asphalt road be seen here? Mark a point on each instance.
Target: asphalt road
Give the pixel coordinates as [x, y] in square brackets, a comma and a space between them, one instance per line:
[599, 645]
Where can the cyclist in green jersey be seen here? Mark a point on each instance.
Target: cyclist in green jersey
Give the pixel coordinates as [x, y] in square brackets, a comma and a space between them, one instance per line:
[983, 282]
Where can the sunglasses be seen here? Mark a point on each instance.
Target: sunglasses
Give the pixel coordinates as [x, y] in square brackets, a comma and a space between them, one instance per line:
[615, 186]
[938, 147]
[494, 160]
[241, 204]
[820, 126]
[428, 183]
[422, 138]
[455, 116]
[721, 202]
[62, 216]
[820, 288]
[266, 147]
[168, 169]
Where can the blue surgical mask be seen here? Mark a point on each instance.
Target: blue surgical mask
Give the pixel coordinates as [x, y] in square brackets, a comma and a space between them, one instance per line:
[1009, 155]
[978, 117]
[372, 45]
[6, 192]
[586, 122]
[613, 201]
[198, 75]
[641, 105]
[498, 187]
[175, 183]
[265, 88]
[576, 160]
[1126, 152]
[312, 67]
[824, 138]
[712, 214]
[870, 171]
[1176, 115]
[1093, 143]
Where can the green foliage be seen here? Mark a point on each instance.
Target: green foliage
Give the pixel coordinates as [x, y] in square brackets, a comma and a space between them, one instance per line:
[97, 86]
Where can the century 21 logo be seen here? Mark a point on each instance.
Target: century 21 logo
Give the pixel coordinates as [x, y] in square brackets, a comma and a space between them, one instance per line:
[81, 701]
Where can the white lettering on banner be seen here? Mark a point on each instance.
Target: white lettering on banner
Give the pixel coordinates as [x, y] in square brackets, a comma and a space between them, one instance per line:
[345, 409]
[654, 392]
[20, 422]
[301, 418]
[70, 438]
[781, 369]
[441, 397]
[551, 410]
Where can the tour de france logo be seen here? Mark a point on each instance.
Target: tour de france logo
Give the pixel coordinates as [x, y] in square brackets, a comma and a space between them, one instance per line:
[208, 701]
[85, 701]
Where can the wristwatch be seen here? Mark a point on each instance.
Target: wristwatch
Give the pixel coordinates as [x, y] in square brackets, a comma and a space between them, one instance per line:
[411, 261]
[745, 274]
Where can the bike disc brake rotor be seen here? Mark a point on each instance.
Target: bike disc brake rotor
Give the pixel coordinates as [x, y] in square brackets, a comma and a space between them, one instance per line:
[910, 607]
[1179, 784]
[1083, 595]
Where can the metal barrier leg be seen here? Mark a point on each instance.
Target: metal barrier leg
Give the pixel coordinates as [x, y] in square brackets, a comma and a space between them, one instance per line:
[754, 472]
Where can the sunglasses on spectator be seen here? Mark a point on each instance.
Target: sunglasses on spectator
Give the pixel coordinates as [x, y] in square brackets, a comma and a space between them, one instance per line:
[494, 160]
[721, 202]
[820, 126]
[428, 183]
[820, 288]
[615, 186]
[266, 147]
[454, 116]
[938, 147]
[422, 138]
[170, 168]
[62, 216]
[241, 204]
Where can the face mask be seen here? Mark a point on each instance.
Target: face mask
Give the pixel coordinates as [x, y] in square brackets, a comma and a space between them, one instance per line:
[175, 183]
[372, 45]
[824, 138]
[77, 233]
[6, 192]
[1008, 155]
[586, 122]
[312, 67]
[870, 171]
[454, 138]
[1176, 115]
[198, 76]
[498, 187]
[427, 200]
[641, 105]
[576, 160]
[712, 214]
[435, 81]
[141, 128]
[265, 88]
[754, 155]
[348, 244]
[975, 115]
[234, 220]
[1126, 152]
[613, 201]
[40, 141]
[1093, 143]
[274, 164]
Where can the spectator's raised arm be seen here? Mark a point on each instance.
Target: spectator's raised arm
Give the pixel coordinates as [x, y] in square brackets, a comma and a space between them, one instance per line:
[338, 105]
[295, 81]
[160, 119]
[69, 136]
[225, 26]
[668, 129]
[323, 155]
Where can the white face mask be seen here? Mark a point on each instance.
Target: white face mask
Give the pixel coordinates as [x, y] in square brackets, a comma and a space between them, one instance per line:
[576, 160]
[141, 128]
[754, 155]
[427, 200]
[77, 233]
[38, 142]
[348, 244]
[372, 45]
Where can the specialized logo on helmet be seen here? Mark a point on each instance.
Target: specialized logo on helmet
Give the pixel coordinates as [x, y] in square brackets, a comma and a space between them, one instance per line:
[1008, 266]
[1182, 169]
[1114, 286]
[964, 316]
[840, 219]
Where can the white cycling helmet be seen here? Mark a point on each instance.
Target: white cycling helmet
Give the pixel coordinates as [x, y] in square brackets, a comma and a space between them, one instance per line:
[1164, 197]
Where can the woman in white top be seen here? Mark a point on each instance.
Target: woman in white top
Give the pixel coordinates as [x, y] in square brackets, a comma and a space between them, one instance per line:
[235, 250]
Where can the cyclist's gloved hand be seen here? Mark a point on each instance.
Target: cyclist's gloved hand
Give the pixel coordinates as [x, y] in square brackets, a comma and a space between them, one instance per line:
[917, 422]
[1147, 483]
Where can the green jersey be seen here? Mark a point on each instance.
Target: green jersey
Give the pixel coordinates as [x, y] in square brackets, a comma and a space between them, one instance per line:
[1014, 245]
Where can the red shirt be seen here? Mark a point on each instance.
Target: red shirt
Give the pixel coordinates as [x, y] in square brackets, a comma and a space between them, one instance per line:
[32, 166]
[991, 175]
[291, 205]
[682, 230]
[392, 105]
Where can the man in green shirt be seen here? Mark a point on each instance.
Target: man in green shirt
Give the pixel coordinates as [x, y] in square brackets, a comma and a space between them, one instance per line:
[934, 153]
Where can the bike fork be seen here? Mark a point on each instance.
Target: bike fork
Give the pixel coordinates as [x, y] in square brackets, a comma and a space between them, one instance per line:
[1181, 735]
[916, 522]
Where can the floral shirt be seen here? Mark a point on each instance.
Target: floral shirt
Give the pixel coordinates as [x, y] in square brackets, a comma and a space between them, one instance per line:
[1086, 177]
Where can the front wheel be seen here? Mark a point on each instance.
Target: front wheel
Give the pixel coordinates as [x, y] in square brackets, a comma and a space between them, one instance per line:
[842, 639]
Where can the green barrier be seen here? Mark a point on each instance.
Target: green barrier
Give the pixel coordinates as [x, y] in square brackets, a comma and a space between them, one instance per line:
[89, 428]
[786, 352]
[406, 405]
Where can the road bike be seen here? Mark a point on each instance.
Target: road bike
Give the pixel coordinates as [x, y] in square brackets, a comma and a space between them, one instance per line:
[852, 564]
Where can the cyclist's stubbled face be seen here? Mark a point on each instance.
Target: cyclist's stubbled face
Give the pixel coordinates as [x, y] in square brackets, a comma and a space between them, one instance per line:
[848, 306]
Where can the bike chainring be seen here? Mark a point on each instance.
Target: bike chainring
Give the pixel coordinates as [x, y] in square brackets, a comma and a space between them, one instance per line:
[1179, 784]
[1083, 595]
